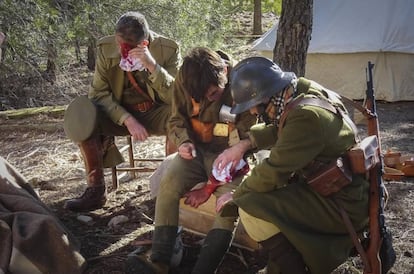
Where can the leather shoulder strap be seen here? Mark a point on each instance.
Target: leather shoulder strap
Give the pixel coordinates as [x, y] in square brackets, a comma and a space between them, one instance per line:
[136, 86]
[318, 102]
[311, 101]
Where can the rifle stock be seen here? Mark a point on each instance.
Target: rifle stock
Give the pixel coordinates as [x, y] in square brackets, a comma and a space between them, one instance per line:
[377, 190]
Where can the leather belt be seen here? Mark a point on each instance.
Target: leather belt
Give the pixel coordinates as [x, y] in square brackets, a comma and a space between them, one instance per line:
[141, 107]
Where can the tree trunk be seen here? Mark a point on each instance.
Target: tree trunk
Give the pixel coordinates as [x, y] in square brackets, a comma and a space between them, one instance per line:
[78, 51]
[293, 35]
[257, 17]
[50, 73]
[91, 54]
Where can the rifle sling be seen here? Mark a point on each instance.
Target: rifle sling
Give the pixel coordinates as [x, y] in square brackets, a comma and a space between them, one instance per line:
[366, 112]
[354, 237]
[317, 102]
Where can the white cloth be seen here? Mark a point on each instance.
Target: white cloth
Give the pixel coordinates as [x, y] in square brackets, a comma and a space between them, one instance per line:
[225, 175]
[131, 64]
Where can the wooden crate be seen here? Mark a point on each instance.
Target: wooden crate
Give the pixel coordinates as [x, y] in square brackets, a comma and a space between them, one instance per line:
[200, 220]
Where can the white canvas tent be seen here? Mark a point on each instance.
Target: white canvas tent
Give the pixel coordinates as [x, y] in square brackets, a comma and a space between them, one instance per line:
[348, 34]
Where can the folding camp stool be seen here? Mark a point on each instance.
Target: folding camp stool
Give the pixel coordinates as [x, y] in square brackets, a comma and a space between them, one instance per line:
[133, 159]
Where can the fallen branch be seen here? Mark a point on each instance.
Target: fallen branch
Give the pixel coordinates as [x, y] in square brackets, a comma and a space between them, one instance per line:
[24, 112]
[123, 254]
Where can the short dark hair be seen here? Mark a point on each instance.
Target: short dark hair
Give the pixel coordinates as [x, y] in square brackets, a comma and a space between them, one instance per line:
[132, 27]
[201, 68]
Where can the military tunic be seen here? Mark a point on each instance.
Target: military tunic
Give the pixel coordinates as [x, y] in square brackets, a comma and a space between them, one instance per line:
[310, 221]
[110, 82]
[183, 174]
[112, 93]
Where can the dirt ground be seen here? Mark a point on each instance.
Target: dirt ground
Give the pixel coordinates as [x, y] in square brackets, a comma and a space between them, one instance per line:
[37, 146]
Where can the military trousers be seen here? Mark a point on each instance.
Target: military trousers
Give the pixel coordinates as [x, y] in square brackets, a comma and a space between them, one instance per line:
[180, 177]
[154, 121]
[83, 119]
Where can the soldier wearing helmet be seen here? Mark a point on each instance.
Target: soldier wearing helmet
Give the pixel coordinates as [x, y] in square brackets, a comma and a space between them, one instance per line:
[300, 228]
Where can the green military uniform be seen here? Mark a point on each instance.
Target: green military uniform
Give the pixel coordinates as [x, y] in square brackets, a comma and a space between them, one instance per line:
[310, 221]
[183, 174]
[113, 94]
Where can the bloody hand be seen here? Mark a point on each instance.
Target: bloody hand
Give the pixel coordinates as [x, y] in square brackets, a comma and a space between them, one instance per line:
[197, 197]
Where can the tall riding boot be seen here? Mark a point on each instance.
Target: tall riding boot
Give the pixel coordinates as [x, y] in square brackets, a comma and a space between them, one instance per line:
[158, 262]
[283, 256]
[215, 246]
[94, 196]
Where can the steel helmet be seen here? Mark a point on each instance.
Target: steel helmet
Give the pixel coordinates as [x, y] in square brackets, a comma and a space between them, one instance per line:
[254, 79]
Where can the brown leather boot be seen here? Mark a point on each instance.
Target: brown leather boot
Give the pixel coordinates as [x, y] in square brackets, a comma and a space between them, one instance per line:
[283, 256]
[94, 196]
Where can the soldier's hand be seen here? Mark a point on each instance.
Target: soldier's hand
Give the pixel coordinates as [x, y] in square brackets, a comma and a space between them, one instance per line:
[137, 131]
[142, 53]
[197, 197]
[223, 201]
[229, 155]
[187, 151]
[233, 154]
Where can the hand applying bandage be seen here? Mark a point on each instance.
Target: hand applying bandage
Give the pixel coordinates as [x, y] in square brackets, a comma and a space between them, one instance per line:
[197, 197]
[129, 63]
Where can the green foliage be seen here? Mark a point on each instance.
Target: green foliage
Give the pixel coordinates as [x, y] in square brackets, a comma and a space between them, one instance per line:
[36, 28]
[274, 6]
[46, 36]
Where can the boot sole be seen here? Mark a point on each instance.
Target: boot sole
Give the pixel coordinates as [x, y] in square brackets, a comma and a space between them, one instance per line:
[77, 209]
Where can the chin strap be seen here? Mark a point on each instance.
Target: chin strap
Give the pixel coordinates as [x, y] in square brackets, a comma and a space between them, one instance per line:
[263, 116]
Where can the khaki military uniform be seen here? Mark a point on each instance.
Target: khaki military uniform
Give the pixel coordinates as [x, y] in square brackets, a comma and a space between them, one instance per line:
[310, 222]
[114, 98]
[182, 174]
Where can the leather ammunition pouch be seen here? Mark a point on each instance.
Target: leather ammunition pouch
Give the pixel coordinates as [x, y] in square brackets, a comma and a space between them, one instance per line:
[331, 178]
[364, 155]
[203, 131]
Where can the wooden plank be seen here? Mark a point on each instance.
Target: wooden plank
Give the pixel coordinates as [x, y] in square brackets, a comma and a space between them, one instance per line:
[200, 220]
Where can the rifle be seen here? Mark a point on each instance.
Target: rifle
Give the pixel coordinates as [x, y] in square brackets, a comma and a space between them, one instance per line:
[381, 254]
